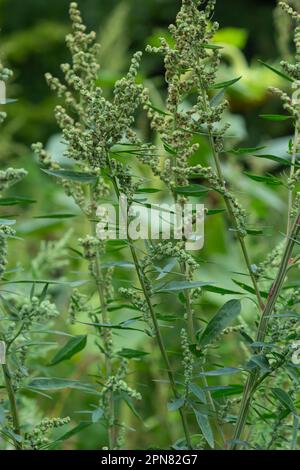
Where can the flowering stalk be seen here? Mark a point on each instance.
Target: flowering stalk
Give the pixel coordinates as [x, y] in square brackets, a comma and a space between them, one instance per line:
[293, 231]
[252, 381]
[143, 283]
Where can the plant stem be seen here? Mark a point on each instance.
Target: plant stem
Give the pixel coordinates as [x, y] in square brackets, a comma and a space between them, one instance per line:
[263, 325]
[107, 334]
[292, 172]
[216, 158]
[158, 334]
[13, 405]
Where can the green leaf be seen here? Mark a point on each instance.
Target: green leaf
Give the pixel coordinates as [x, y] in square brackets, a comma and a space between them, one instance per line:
[148, 190]
[226, 84]
[224, 317]
[221, 290]
[212, 46]
[270, 180]
[7, 222]
[175, 286]
[250, 289]
[211, 212]
[76, 176]
[284, 399]
[275, 117]
[55, 216]
[13, 201]
[205, 427]
[176, 404]
[198, 392]
[191, 190]
[226, 391]
[218, 372]
[72, 347]
[131, 353]
[255, 232]
[278, 72]
[166, 270]
[53, 384]
[260, 361]
[280, 160]
[246, 150]
[159, 111]
[120, 326]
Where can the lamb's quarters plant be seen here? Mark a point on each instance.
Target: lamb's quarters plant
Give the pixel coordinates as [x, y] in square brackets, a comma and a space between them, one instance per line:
[207, 400]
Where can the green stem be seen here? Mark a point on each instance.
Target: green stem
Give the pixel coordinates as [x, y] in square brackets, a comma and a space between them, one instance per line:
[107, 335]
[13, 405]
[251, 383]
[158, 334]
[220, 175]
[292, 172]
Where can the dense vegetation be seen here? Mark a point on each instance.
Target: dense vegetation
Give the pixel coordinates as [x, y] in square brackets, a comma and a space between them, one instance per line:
[129, 344]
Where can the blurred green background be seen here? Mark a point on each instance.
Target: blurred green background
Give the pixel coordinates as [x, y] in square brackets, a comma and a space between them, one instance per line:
[32, 43]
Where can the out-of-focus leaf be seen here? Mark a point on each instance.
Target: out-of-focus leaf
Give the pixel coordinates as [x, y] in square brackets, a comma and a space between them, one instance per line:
[176, 404]
[275, 117]
[270, 180]
[13, 201]
[131, 353]
[218, 372]
[180, 286]
[284, 399]
[76, 176]
[278, 72]
[191, 190]
[53, 384]
[205, 427]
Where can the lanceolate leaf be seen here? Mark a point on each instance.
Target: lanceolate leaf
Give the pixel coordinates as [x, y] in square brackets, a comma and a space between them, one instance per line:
[75, 176]
[274, 158]
[13, 201]
[131, 353]
[176, 404]
[284, 399]
[191, 190]
[54, 384]
[218, 372]
[269, 179]
[275, 117]
[246, 150]
[205, 427]
[73, 346]
[221, 290]
[180, 286]
[250, 289]
[226, 84]
[224, 317]
[278, 72]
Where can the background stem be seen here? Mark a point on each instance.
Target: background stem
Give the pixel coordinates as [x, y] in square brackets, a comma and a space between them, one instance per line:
[13, 405]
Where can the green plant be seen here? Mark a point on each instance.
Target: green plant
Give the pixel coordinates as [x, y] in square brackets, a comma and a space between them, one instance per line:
[165, 284]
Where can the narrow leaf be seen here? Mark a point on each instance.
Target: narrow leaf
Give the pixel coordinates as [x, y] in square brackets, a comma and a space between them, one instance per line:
[72, 347]
[224, 317]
